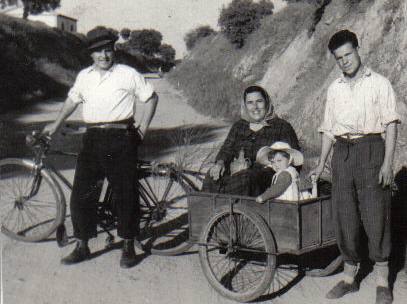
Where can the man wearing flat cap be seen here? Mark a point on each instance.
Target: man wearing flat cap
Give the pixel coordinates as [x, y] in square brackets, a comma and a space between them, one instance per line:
[109, 93]
[360, 123]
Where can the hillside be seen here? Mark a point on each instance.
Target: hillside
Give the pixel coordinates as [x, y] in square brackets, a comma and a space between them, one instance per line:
[294, 65]
[36, 61]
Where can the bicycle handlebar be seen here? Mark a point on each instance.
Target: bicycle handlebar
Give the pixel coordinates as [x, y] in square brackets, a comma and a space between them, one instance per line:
[36, 138]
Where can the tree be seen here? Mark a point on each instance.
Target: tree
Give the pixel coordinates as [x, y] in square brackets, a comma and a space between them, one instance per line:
[33, 7]
[193, 36]
[101, 27]
[125, 33]
[145, 41]
[242, 17]
[167, 53]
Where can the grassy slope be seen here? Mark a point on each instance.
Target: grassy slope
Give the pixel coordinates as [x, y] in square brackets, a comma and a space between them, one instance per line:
[296, 67]
[215, 73]
[36, 61]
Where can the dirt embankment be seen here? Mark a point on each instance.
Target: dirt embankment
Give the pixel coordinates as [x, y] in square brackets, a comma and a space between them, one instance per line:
[31, 69]
[288, 55]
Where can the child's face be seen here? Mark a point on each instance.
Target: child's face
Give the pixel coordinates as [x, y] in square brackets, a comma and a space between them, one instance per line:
[279, 162]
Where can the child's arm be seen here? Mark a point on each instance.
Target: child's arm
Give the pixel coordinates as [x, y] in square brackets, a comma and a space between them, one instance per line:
[283, 181]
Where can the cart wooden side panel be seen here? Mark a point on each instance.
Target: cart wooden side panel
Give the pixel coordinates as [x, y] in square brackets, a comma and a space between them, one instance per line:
[296, 226]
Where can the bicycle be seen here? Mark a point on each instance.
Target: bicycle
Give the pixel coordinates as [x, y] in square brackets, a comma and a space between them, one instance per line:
[33, 204]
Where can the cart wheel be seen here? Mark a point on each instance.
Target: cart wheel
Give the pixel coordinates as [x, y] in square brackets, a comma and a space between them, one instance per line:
[328, 270]
[236, 258]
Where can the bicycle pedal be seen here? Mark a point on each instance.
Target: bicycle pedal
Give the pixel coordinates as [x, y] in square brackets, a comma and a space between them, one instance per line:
[62, 236]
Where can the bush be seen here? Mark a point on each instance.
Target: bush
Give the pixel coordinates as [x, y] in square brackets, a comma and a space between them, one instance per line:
[125, 33]
[193, 36]
[242, 17]
[206, 89]
[30, 69]
[146, 41]
[167, 53]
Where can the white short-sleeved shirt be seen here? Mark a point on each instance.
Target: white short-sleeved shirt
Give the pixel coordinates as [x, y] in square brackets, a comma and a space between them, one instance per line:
[110, 97]
[366, 108]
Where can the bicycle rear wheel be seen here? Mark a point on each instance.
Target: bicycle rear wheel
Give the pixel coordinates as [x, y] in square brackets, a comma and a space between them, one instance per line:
[164, 208]
[31, 203]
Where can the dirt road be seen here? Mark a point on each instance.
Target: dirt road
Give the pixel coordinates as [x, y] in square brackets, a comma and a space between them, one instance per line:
[32, 273]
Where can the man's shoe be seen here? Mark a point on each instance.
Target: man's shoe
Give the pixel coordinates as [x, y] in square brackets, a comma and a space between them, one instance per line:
[79, 254]
[128, 258]
[341, 289]
[383, 295]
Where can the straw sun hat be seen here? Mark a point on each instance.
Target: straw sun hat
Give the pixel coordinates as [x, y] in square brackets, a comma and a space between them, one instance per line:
[296, 157]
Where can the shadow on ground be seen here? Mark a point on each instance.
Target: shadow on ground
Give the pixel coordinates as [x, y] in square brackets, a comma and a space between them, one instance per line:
[159, 142]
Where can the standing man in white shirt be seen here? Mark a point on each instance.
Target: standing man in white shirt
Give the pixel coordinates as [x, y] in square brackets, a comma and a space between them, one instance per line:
[360, 111]
[109, 93]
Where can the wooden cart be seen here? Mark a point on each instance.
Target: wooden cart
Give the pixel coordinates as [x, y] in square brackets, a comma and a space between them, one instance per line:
[245, 246]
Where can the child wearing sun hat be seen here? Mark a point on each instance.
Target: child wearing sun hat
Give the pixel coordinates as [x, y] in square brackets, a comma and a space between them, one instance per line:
[282, 158]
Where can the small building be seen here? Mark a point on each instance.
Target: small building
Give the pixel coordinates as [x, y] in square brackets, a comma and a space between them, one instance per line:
[52, 19]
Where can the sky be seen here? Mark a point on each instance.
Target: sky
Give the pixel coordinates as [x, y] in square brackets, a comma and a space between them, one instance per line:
[173, 18]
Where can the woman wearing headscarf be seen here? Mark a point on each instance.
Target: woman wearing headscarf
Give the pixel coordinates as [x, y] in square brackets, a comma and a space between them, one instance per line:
[235, 170]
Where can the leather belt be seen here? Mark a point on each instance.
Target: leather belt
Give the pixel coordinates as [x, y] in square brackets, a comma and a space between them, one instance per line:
[110, 126]
[123, 124]
[348, 141]
[353, 138]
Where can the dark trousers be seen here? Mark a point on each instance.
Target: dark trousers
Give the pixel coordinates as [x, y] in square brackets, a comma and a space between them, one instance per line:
[110, 153]
[251, 182]
[358, 199]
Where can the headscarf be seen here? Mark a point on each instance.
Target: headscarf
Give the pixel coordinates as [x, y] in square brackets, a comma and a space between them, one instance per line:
[256, 125]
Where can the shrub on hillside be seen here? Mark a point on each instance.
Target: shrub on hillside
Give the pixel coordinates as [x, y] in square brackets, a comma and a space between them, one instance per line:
[125, 33]
[193, 36]
[242, 17]
[33, 7]
[30, 68]
[207, 89]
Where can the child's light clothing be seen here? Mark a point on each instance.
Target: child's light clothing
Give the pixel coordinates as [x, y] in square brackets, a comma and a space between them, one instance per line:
[284, 186]
[292, 192]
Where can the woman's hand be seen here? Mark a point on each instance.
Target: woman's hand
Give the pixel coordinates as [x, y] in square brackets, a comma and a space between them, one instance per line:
[217, 170]
[239, 164]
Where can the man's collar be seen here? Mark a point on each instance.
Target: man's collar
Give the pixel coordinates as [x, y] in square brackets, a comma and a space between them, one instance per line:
[365, 72]
[93, 68]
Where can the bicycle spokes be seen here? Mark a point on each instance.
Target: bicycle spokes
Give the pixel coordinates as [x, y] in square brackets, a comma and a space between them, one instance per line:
[28, 205]
[163, 202]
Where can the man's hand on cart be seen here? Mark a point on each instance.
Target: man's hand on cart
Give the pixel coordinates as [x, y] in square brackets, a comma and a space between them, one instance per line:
[316, 173]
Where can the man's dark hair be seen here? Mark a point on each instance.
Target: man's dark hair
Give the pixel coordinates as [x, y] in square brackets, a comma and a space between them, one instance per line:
[342, 37]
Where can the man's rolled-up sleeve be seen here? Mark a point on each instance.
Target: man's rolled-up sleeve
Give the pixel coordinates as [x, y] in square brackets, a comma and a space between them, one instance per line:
[143, 89]
[388, 106]
[75, 93]
[327, 123]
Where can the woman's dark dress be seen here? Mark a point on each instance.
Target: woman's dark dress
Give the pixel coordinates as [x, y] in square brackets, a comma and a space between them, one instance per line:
[254, 180]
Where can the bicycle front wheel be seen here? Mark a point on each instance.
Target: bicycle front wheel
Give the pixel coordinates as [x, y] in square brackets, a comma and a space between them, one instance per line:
[31, 203]
[164, 208]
